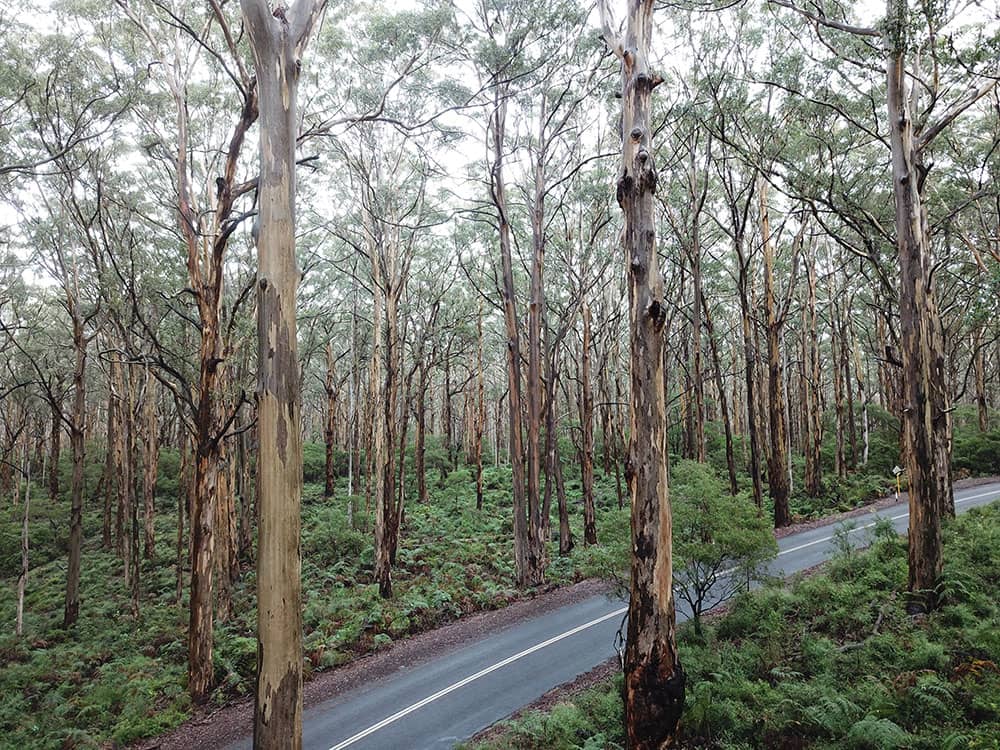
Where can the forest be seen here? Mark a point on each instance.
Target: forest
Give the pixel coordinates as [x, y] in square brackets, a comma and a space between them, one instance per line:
[325, 326]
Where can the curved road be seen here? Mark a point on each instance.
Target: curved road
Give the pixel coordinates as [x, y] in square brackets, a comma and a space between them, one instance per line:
[455, 694]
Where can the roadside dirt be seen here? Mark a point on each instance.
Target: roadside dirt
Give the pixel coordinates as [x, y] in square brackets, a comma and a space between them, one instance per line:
[216, 728]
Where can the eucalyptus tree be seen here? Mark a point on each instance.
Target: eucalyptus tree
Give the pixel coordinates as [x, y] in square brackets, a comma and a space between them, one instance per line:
[505, 33]
[278, 40]
[919, 109]
[653, 688]
[62, 211]
[207, 202]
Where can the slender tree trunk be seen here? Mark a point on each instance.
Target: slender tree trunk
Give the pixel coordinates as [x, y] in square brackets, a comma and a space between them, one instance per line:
[979, 364]
[150, 464]
[653, 688]
[386, 521]
[814, 418]
[480, 422]
[224, 538]
[183, 501]
[863, 397]
[56, 435]
[723, 403]
[750, 376]
[71, 611]
[329, 432]
[133, 558]
[528, 557]
[419, 446]
[22, 579]
[587, 426]
[845, 365]
[696, 324]
[840, 463]
[533, 387]
[777, 479]
[110, 483]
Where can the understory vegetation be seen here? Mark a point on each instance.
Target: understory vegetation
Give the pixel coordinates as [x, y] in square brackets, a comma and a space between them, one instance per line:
[830, 661]
[116, 678]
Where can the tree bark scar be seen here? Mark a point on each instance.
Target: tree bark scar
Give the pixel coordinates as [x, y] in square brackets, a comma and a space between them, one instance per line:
[625, 186]
[663, 699]
[283, 439]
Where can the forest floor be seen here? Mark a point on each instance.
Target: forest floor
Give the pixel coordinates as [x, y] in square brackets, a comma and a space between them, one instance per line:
[115, 678]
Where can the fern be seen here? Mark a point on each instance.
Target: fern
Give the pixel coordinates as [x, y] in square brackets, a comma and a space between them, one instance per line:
[954, 587]
[877, 734]
[955, 741]
[931, 697]
[833, 714]
[781, 673]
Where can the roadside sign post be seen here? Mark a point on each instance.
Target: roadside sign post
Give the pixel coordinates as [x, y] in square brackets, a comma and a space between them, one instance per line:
[898, 472]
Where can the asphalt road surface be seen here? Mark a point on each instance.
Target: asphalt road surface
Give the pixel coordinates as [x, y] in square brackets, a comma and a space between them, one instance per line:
[455, 694]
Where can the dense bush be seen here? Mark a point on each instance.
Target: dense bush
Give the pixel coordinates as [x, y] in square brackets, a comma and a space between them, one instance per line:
[314, 462]
[976, 453]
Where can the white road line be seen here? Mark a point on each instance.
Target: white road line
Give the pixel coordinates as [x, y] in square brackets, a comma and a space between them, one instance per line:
[481, 673]
[580, 628]
[869, 525]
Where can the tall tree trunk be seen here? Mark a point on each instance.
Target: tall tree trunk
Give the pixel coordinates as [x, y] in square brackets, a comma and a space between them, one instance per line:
[183, 504]
[653, 688]
[587, 427]
[777, 479]
[697, 317]
[925, 399]
[77, 431]
[419, 446]
[202, 519]
[22, 579]
[814, 417]
[979, 364]
[863, 397]
[224, 541]
[480, 421]
[132, 448]
[529, 563]
[278, 41]
[329, 432]
[723, 403]
[840, 463]
[846, 348]
[750, 377]
[150, 463]
[54, 451]
[110, 483]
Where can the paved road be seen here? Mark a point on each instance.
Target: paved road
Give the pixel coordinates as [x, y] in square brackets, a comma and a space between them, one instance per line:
[433, 705]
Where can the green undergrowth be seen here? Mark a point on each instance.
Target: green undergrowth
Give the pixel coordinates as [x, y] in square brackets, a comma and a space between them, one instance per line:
[113, 678]
[830, 661]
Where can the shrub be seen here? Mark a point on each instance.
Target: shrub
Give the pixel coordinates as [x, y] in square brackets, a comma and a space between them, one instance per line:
[721, 543]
